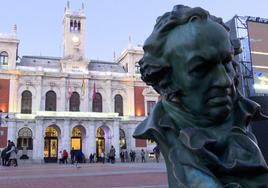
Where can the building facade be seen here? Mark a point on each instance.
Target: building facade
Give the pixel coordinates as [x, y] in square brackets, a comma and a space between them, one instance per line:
[48, 104]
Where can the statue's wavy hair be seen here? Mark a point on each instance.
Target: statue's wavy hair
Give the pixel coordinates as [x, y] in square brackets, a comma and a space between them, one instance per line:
[154, 66]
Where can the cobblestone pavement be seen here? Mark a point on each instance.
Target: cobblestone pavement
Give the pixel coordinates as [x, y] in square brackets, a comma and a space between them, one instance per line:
[118, 175]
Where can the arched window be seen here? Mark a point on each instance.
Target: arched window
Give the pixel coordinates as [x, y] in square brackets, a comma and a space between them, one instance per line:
[74, 102]
[51, 101]
[97, 103]
[79, 26]
[25, 139]
[3, 58]
[71, 25]
[26, 102]
[118, 104]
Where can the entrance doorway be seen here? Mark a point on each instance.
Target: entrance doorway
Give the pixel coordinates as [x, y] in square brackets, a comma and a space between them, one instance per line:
[100, 142]
[51, 145]
[76, 140]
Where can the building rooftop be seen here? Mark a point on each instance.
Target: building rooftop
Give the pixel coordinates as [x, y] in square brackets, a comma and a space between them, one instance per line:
[105, 66]
[54, 62]
[40, 61]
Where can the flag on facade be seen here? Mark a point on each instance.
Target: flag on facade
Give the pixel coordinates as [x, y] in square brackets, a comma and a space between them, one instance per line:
[94, 91]
[83, 87]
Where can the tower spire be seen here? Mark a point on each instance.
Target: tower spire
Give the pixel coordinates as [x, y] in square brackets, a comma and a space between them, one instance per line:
[83, 6]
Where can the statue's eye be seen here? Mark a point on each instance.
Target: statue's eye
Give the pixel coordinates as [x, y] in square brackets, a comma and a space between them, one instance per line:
[200, 70]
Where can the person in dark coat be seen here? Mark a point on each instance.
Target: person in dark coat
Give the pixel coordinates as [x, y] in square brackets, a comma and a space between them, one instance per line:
[13, 155]
[4, 157]
[72, 155]
[112, 154]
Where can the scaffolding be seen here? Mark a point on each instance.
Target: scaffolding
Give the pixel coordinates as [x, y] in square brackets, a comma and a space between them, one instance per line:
[244, 59]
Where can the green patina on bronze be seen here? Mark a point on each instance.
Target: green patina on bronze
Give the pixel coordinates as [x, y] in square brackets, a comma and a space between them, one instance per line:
[201, 122]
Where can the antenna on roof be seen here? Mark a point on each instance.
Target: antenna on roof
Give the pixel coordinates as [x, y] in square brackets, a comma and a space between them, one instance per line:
[15, 29]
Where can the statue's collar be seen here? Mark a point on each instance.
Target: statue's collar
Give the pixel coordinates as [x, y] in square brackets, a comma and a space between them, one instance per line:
[245, 110]
[158, 119]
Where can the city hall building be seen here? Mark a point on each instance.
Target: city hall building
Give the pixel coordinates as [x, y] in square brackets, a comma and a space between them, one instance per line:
[48, 104]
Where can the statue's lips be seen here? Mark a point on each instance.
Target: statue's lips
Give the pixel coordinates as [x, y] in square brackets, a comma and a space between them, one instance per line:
[218, 101]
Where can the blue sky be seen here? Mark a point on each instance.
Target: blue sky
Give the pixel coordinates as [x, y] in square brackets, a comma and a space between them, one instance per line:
[109, 22]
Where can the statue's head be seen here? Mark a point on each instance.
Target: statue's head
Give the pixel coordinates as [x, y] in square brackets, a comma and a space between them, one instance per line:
[188, 60]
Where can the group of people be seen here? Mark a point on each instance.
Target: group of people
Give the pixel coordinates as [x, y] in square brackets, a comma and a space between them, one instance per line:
[63, 157]
[124, 155]
[9, 155]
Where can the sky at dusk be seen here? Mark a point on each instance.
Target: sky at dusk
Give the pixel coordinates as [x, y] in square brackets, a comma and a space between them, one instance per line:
[109, 22]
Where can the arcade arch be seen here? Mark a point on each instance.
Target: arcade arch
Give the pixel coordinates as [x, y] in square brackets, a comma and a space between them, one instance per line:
[103, 140]
[51, 142]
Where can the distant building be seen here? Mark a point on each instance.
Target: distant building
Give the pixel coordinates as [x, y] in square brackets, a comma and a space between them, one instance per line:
[53, 103]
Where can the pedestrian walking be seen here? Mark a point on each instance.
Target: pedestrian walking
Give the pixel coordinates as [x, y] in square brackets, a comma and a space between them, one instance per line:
[142, 156]
[156, 151]
[72, 155]
[122, 156]
[64, 157]
[112, 154]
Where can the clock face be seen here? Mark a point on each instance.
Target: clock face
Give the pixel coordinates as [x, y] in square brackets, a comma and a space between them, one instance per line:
[75, 39]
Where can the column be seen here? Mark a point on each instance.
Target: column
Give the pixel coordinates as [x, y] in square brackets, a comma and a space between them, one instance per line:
[129, 104]
[38, 141]
[13, 86]
[115, 138]
[37, 96]
[11, 131]
[132, 144]
[91, 138]
[65, 142]
[107, 107]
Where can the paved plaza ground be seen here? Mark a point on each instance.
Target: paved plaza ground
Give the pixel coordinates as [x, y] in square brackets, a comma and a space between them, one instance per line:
[96, 175]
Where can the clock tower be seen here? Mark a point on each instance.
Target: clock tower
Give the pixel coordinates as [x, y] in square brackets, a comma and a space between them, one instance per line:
[74, 34]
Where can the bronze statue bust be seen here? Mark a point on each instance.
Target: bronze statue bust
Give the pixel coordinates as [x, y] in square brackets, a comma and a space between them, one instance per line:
[201, 122]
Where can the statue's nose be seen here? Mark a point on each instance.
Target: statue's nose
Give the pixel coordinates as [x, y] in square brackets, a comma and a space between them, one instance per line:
[222, 78]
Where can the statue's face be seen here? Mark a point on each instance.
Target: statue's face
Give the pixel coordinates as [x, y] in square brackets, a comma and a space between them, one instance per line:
[200, 53]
